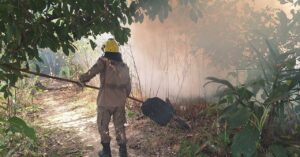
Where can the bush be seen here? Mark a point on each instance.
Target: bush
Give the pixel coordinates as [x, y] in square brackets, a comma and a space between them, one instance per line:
[15, 136]
[252, 110]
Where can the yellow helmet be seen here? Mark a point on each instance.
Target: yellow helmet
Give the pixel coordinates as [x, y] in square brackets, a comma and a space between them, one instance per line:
[111, 45]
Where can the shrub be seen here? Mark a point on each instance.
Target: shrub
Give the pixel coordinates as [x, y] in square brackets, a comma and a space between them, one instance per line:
[257, 111]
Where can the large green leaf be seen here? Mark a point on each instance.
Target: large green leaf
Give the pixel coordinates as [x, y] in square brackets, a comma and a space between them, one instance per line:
[279, 150]
[235, 116]
[245, 142]
[220, 81]
[19, 125]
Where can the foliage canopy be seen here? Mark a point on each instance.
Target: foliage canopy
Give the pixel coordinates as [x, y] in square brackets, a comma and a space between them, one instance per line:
[27, 26]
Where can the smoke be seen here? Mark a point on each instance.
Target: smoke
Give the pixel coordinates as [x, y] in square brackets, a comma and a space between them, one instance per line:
[167, 64]
[173, 58]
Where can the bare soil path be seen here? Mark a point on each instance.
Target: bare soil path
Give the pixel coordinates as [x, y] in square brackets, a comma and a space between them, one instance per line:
[71, 116]
[69, 111]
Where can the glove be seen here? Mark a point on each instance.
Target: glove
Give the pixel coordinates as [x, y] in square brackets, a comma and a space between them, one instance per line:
[80, 82]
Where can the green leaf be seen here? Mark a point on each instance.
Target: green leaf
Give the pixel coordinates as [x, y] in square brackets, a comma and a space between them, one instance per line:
[236, 116]
[244, 143]
[30, 132]
[220, 81]
[65, 50]
[281, 92]
[244, 93]
[279, 150]
[3, 87]
[93, 44]
[19, 125]
[7, 94]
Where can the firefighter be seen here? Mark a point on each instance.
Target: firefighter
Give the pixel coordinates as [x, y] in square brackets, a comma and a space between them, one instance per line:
[114, 90]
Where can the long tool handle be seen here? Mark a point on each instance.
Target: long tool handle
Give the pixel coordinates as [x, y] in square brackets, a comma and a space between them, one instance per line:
[62, 79]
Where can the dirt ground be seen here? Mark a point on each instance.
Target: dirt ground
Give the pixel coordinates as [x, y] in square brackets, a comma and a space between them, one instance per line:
[70, 116]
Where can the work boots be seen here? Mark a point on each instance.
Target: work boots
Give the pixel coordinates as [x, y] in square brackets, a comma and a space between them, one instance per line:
[123, 150]
[105, 151]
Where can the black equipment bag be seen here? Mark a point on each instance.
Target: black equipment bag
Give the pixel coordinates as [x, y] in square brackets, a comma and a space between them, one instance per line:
[158, 110]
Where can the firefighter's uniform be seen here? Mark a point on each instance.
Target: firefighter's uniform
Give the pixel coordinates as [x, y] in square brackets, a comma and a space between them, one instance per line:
[114, 90]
